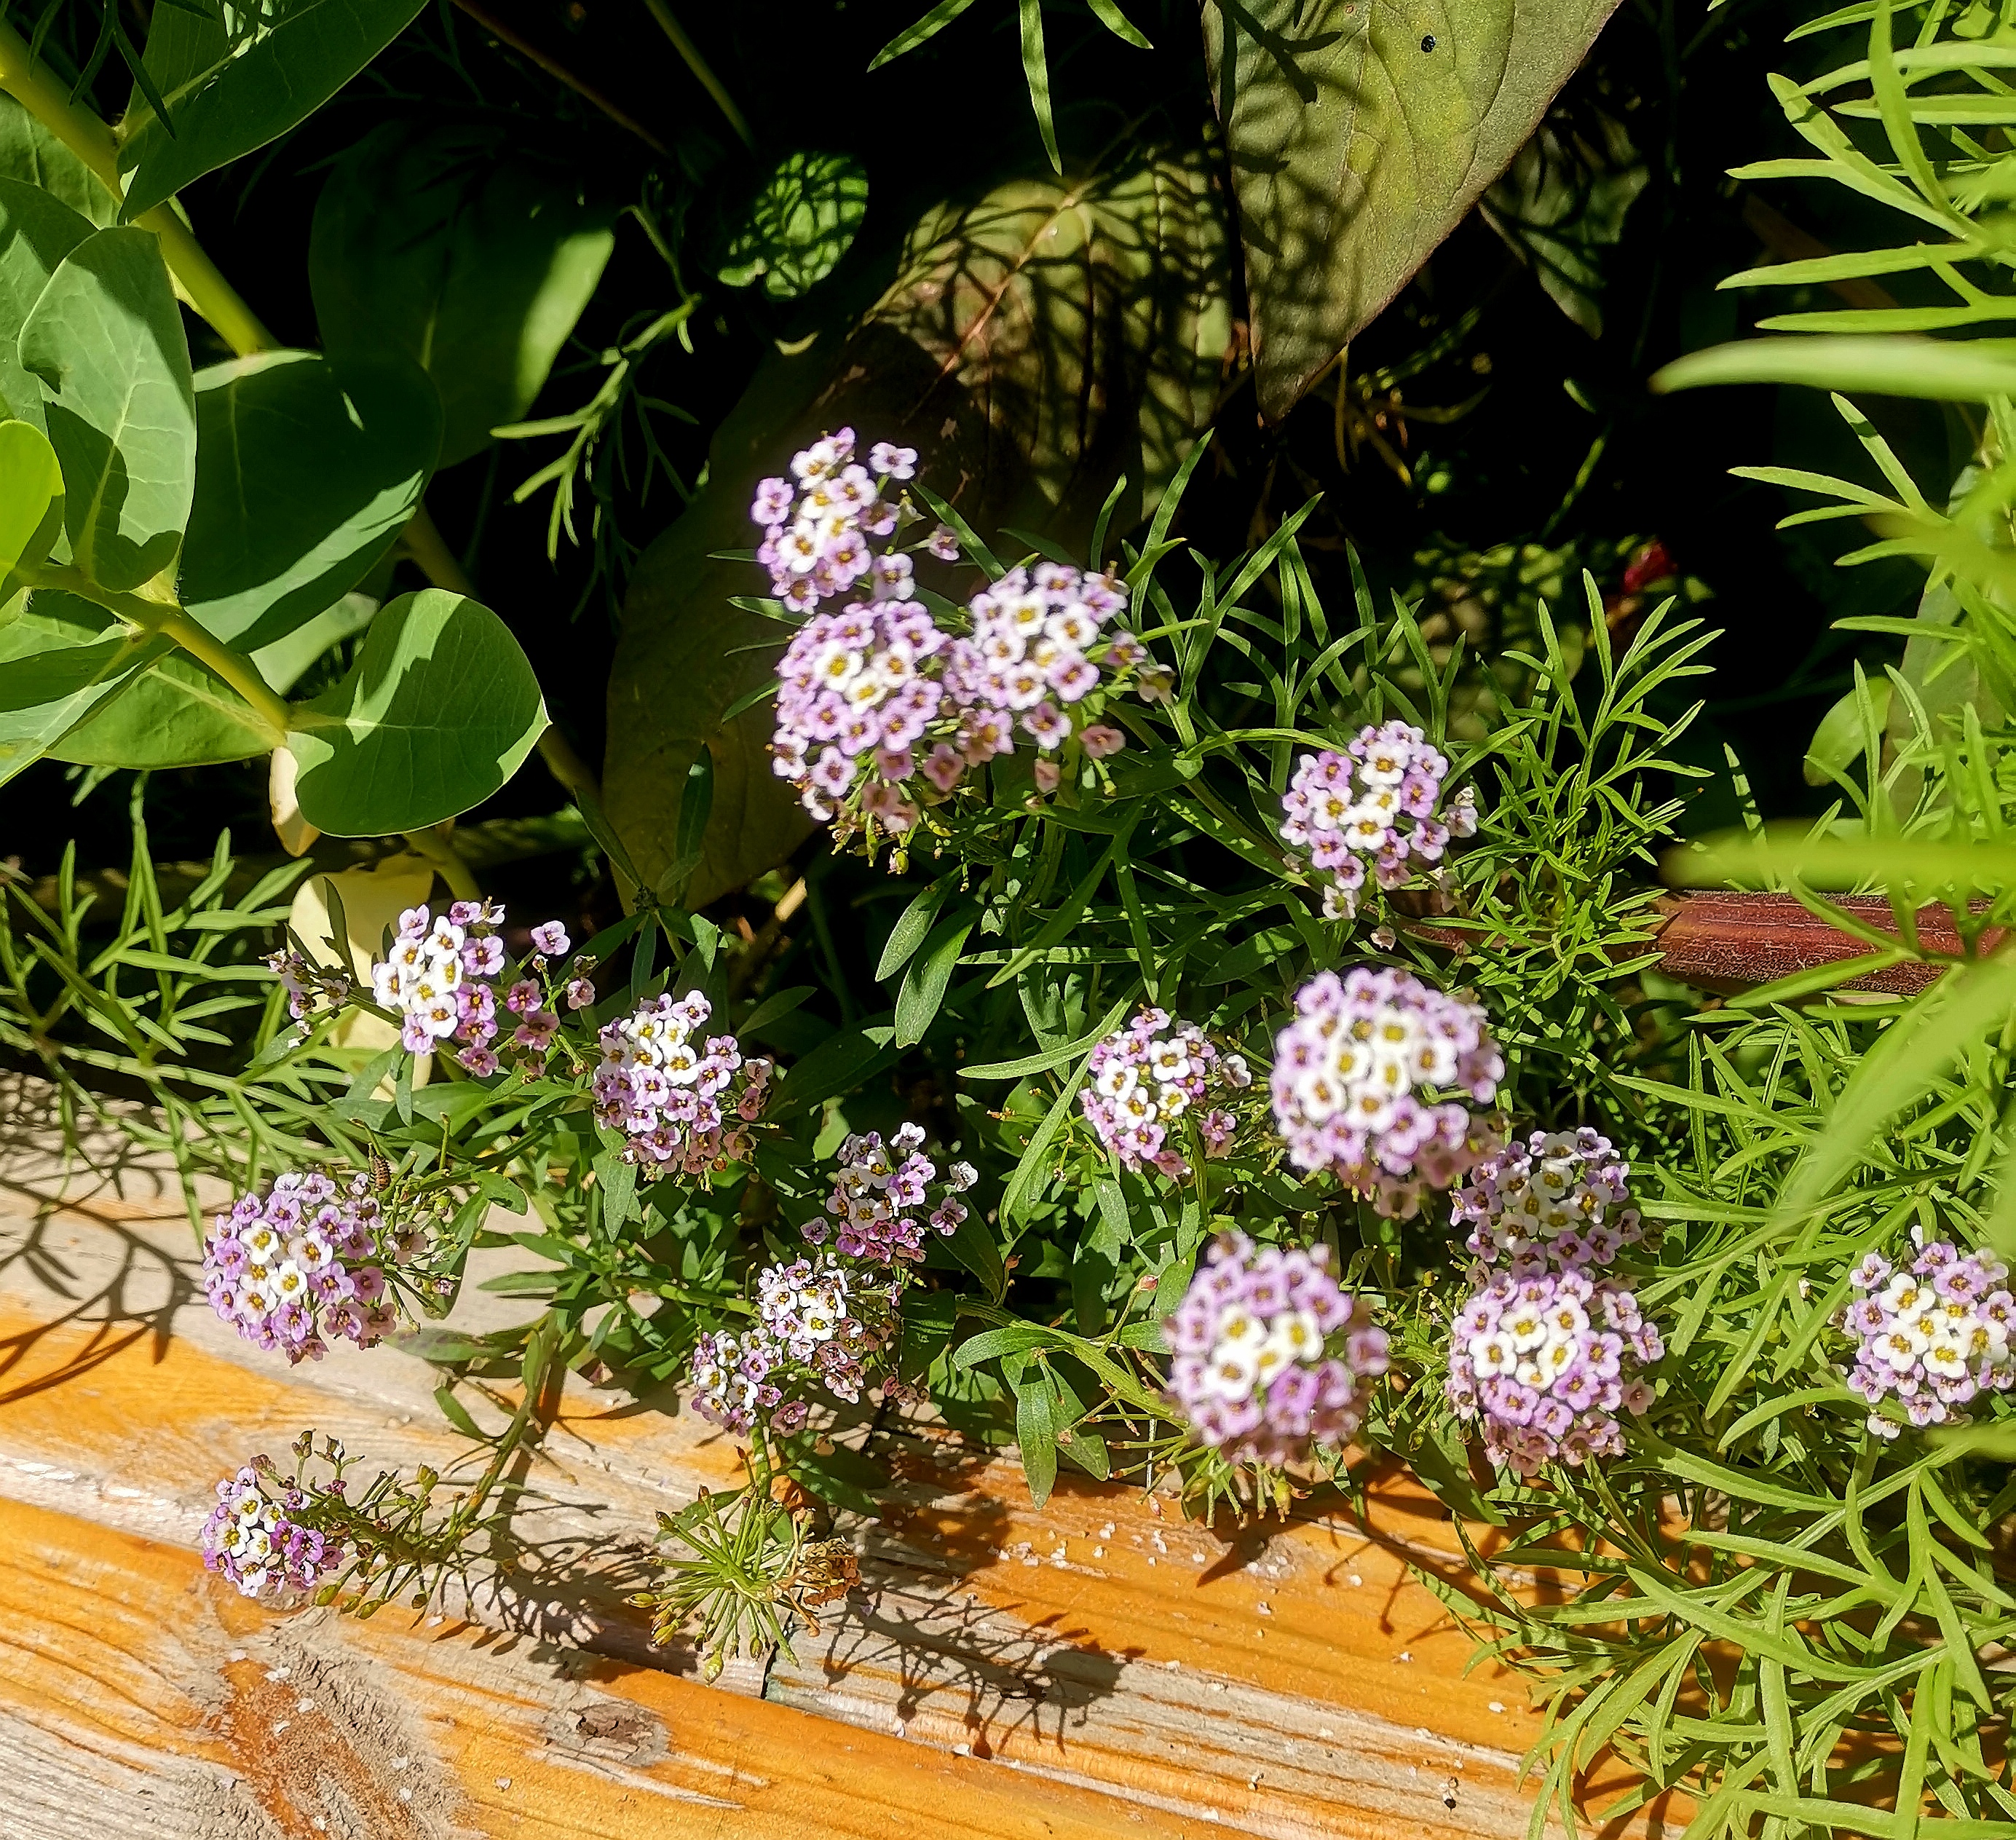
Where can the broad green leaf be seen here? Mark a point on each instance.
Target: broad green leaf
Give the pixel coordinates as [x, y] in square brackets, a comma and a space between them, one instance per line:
[36, 233]
[105, 341]
[31, 494]
[177, 713]
[235, 76]
[30, 154]
[306, 469]
[282, 663]
[1938, 369]
[1839, 741]
[60, 659]
[465, 250]
[1360, 132]
[1034, 348]
[913, 927]
[802, 220]
[436, 714]
[1036, 1427]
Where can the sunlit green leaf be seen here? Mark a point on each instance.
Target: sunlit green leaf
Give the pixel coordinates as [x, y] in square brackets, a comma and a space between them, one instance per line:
[802, 220]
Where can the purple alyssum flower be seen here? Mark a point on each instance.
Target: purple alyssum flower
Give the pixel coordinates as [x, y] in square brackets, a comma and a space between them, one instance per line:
[1544, 1359]
[299, 1267]
[683, 1099]
[255, 1536]
[447, 979]
[1354, 1074]
[1560, 1196]
[1933, 1336]
[885, 1194]
[1272, 1357]
[1149, 1084]
[1376, 803]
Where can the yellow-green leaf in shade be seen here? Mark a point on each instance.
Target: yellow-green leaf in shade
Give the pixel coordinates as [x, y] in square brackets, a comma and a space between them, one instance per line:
[1359, 133]
[438, 711]
[106, 342]
[31, 495]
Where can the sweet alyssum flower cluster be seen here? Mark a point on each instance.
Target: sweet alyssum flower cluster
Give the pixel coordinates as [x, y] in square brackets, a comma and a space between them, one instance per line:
[1272, 1357]
[255, 1535]
[1143, 1081]
[445, 980]
[1560, 1197]
[681, 1098]
[1543, 1359]
[881, 711]
[1376, 802]
[1354, 1074]
[299, 1264]
[1933, 1336]
[830, 1321]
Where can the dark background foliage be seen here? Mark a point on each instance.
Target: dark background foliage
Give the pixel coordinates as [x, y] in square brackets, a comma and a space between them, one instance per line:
[1480, 445]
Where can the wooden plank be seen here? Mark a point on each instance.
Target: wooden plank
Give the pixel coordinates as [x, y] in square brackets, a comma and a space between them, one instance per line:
[1097, 1662]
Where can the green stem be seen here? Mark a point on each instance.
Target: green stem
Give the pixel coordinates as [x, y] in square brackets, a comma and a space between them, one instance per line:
[662, 12]
[539, 1365]
[170, 621]
[34, 87]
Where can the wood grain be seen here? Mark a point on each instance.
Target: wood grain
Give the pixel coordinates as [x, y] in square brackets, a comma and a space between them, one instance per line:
[1094, 1667]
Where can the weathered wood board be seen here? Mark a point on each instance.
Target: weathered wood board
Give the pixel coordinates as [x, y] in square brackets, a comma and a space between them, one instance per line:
[1094, 1667]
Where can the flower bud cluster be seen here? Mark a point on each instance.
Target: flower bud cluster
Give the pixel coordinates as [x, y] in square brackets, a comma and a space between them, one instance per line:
[307, 986]
[882, 1199]
[255, 1538]
[1544, 1359]
[1272, 1358]
[1934, 1336]
[445, 980]
[1354, 1073]
[1560, 1197]
[821, 526]
[681, 1099]
[299, 1264]
[1377, 801]
[1145, 1080]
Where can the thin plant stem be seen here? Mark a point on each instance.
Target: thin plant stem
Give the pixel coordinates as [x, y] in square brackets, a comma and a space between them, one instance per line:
[661, 11]
[202, 283]
[500, 28]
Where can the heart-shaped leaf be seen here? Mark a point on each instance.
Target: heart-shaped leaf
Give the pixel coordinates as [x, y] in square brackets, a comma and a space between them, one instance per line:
[802, 220]
[1034, 347]
[61, 658]
[236, 76]
[438, 712]
[36, 233]
[1360, 132]
[30, 154]
[106, 342]
[306, 469]
[472, 257]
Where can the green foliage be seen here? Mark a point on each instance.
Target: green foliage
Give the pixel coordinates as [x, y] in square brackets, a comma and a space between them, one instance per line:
[434, 715]
[1359, 135]
[803, 219]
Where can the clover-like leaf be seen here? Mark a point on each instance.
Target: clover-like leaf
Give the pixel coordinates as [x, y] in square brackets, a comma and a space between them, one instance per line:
[105, 340]
[306, 469]
[236, 77]
[438, 711]
[471, 256]
[801, 221]
[1360, 132]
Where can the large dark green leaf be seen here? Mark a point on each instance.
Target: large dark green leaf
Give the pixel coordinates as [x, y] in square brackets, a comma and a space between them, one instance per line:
[37, 232]
[439, 710]
[235, 76]
[306, 469]
[1034, 348]
[60, 659]
[106, 341]
[474, 258]
[30, 154]
[1360, 132]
